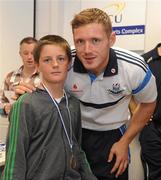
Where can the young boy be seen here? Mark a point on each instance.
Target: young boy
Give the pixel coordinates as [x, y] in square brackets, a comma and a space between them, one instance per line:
[45, 126]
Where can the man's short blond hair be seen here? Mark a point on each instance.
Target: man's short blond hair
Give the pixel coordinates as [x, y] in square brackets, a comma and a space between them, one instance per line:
[92, 15]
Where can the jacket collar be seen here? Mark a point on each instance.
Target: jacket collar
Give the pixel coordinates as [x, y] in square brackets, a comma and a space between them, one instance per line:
[155, 54]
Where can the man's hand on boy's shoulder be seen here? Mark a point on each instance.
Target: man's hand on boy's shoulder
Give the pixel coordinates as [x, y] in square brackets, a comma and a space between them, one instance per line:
[23, 88]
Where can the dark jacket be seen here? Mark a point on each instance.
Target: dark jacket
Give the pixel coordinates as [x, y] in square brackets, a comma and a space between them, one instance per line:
[37, 147]
[153, 59]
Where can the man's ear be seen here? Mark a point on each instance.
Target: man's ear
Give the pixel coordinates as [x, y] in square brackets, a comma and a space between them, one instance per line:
[112, 39]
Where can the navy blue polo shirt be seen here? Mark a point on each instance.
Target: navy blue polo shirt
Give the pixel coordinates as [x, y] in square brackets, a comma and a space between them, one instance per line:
[153, 59]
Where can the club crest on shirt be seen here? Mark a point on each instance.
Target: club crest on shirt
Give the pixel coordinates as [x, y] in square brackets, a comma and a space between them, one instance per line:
[75, 88]
[115, 89]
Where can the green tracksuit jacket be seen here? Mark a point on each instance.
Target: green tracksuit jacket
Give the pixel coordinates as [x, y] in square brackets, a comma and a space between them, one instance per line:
[37, 147]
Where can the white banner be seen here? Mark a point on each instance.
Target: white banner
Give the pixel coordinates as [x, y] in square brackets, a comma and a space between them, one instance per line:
[128, 20]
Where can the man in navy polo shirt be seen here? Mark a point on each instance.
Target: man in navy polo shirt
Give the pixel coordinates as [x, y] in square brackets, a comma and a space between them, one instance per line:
[150, 137]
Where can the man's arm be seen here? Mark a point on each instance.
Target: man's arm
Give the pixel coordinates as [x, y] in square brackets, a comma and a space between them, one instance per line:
[140, 117]
[4, 101]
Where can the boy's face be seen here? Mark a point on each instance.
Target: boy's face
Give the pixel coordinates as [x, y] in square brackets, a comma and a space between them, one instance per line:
[92, 45]
[26, 53]
[53, 64]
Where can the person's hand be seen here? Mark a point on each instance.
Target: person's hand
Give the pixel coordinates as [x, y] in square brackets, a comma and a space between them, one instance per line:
[23, 88]
[7, 108]
[120, 151]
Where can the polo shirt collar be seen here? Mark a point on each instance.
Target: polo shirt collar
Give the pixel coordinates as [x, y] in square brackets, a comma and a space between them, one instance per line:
[111, 68]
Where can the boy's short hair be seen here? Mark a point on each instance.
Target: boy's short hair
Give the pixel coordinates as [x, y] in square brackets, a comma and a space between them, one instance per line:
[49, 40]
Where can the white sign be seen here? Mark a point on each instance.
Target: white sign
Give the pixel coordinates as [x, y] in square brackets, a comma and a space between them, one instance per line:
[128, 20]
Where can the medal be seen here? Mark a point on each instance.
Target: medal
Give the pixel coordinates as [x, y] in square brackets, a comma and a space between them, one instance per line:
[73, 163]
[72, 160]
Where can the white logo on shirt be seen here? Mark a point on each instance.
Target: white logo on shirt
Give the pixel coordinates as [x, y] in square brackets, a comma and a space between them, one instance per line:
[115, 89]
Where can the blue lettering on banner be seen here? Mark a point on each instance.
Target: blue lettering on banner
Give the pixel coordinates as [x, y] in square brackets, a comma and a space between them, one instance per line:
[129, 30]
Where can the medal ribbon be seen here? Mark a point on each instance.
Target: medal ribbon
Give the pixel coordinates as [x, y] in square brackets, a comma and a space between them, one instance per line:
[70, 140]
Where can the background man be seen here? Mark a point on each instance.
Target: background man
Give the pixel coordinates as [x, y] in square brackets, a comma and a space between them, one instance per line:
[26, 73]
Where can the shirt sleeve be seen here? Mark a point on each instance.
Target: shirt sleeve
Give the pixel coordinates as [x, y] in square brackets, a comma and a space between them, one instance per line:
[3, 98]
[146, 90]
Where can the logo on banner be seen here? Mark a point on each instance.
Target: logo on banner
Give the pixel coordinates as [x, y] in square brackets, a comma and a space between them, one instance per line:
[115, 10]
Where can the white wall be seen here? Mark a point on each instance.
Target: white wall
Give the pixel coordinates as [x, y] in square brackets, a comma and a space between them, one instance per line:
[54, 16]
[16, 22]
[0, 43]
[153, 24]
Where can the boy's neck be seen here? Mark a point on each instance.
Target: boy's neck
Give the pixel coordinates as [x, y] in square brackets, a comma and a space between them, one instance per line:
[56, 90]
